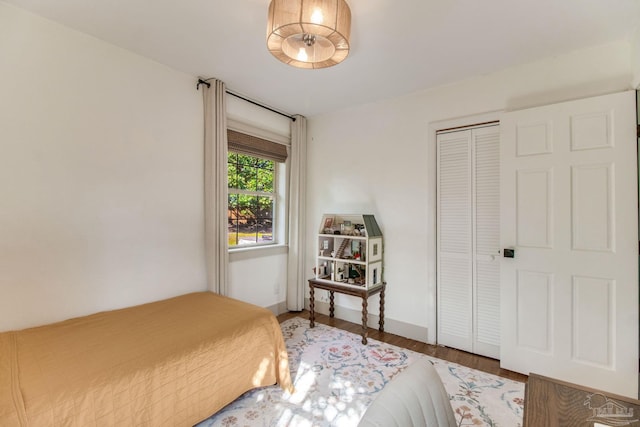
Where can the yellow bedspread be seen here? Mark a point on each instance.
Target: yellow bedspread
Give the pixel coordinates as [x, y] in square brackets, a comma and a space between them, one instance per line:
[168, 363]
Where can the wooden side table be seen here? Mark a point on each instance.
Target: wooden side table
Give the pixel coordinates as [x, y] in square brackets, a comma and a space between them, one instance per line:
[362, 293]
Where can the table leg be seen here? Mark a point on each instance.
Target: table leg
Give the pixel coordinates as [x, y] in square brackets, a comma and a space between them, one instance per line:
[365, 332]
[312, 316]
[381, 323]
[331, 307]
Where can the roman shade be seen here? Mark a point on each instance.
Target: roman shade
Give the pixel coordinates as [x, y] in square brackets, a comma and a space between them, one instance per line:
[254, 146]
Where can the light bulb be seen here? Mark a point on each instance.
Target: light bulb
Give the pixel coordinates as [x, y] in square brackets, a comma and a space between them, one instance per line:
[316, 16]
[302, 55]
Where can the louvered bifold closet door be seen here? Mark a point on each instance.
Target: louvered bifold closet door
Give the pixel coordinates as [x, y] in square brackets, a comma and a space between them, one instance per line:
[454, 241]
[486, 242]
[468, 269]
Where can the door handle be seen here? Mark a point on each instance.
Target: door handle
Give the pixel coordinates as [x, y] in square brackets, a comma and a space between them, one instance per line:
[509, 253]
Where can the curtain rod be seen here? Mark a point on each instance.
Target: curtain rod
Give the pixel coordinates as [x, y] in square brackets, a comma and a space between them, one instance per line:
[205, 82]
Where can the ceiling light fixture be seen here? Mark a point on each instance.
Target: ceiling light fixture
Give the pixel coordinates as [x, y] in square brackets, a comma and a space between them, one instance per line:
[309, 33]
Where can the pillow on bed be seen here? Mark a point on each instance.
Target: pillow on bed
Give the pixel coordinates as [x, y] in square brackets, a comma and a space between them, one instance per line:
[415, 397]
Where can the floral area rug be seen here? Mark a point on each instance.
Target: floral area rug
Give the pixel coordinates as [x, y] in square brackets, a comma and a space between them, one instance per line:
[336, 378]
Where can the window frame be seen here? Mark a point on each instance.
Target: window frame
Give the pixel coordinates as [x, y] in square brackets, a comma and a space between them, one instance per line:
[281, 213]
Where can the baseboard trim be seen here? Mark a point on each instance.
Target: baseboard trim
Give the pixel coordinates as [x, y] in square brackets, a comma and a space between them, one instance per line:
[396, 327]
[278, 308]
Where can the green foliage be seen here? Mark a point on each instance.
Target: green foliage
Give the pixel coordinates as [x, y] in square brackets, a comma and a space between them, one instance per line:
[249, 207]
[250, 173]
[250, 215]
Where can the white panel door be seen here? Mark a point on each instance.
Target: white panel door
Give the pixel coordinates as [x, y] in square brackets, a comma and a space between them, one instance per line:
[468, 240]
[569, 209]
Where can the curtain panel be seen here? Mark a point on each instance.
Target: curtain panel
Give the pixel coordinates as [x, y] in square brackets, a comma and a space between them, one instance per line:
[297, 213]
[215, 186]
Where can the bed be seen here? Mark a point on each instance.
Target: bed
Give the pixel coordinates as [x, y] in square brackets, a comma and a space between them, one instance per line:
[171, 362]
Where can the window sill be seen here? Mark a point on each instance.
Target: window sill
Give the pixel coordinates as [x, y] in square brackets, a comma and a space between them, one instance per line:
[238, 254]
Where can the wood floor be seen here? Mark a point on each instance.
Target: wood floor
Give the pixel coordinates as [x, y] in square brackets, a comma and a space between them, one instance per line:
[480, 363]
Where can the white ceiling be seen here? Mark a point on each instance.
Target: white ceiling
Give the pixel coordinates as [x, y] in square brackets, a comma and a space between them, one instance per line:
[397, 47]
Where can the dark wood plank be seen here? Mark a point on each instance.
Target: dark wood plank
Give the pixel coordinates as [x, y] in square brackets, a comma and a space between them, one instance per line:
[480, 363]
[550, 402]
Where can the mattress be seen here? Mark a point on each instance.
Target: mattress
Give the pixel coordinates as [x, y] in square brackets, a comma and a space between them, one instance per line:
[171, 362]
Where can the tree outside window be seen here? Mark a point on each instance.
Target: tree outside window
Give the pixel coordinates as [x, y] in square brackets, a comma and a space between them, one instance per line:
[251, 200]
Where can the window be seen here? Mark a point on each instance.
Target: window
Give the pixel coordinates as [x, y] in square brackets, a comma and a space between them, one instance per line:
[251, 199]
[253, 167]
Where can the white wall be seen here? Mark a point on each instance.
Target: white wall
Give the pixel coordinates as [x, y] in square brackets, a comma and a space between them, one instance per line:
[100, 175]
[380, 158]
[259, 276]
[258, 117]
[635, 57]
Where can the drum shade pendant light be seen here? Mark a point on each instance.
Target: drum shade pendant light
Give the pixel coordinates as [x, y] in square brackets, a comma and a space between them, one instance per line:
[309, 33]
